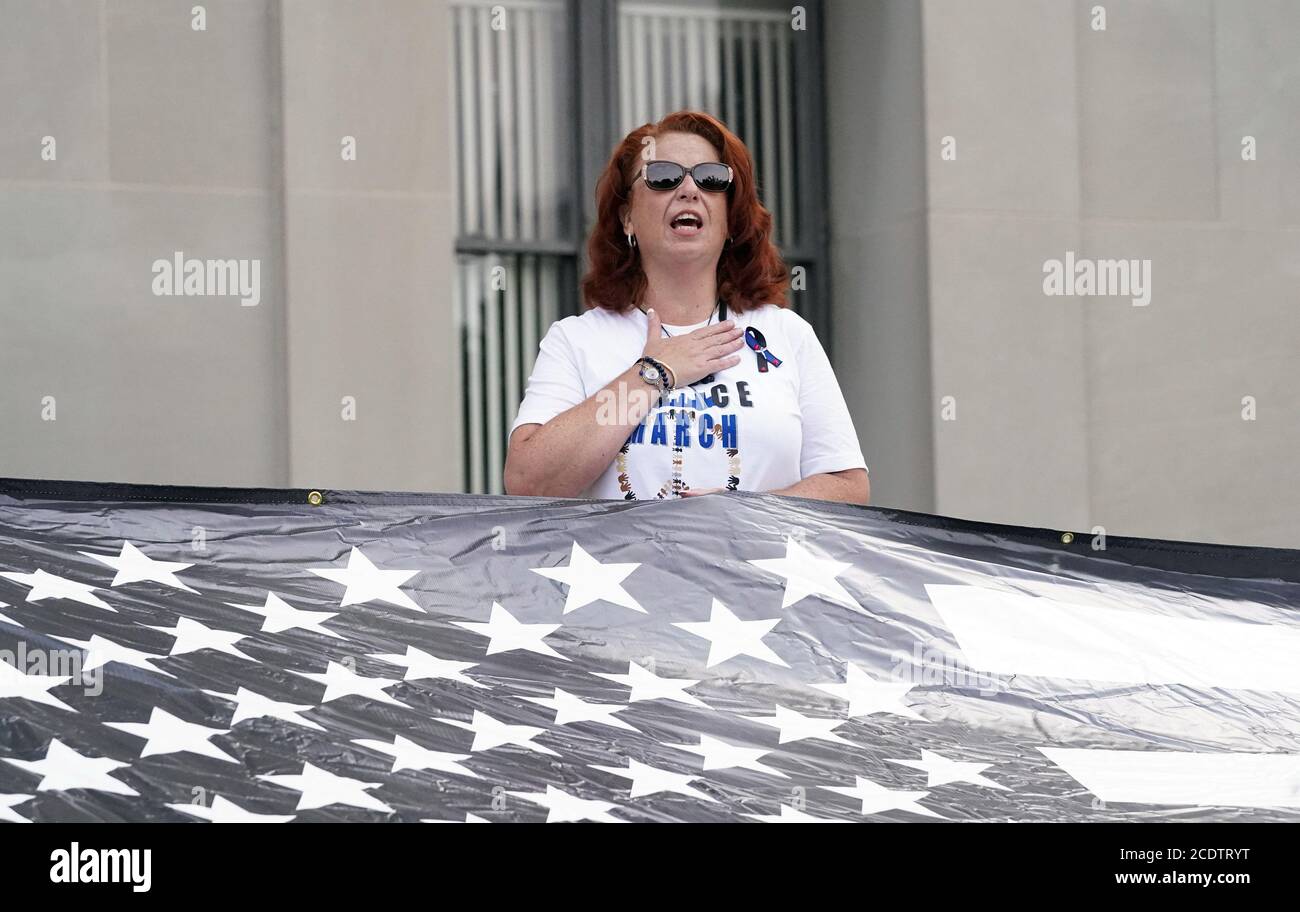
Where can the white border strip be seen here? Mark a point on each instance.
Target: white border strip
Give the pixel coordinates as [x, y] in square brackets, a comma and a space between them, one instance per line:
[1013, 633]
[1181, 778]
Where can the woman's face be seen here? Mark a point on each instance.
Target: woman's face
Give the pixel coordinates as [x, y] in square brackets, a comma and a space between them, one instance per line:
[651, 213]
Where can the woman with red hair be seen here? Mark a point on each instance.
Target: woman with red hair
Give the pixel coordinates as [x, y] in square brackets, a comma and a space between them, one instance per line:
[688, 373]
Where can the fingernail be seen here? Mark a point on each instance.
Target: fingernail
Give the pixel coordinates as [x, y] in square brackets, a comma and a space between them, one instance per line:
[650, 311]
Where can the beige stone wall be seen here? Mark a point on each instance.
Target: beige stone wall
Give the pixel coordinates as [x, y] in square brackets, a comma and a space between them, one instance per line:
[1123, 143]
[225, 143]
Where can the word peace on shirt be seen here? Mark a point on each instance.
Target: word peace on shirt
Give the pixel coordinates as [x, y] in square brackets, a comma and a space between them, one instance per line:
[686, 412]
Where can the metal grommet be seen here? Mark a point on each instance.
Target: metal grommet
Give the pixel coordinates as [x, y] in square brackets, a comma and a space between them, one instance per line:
[315, 498]
[1067, 537]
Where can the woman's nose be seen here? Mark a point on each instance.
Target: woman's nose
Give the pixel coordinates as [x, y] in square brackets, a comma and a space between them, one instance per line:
[685, 192]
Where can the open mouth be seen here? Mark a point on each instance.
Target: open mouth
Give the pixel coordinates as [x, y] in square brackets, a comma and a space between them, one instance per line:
[687, 224]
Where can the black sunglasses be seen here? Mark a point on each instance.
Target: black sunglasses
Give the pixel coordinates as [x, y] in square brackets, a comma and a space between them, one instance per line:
[714, 177]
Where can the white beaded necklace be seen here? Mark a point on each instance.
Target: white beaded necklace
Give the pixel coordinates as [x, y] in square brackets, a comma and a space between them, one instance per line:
[675, 485]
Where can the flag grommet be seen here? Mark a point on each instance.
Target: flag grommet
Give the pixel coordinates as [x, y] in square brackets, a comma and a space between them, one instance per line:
[1066, 537]
[315, 498]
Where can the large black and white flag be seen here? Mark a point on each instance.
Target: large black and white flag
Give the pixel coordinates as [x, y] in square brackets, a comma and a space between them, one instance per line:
[246, 655]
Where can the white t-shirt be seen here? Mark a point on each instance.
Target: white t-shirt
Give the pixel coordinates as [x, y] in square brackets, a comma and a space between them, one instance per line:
[748, 429]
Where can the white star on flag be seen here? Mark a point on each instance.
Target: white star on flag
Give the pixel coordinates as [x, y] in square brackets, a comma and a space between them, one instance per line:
[100, 651]
[63, 769]
[866, 695]
[341, 681]
[792, 815]
[167, 734]
[407, 755]
[942, 771]
[646, 685]
[591, 581]
[279, 616]
[16, 685]
[565, 808]
[505, 633]
[718, 754]
[191, 636]
[729, 636]
[321, 788]
[134, 566]
[490, 733]
[795, 726]
[421, 666]
[250, 705]
[876, 798]
[806, 574]
[647, 780]
[7, 805]
[225, 811]
[365, 582]
[47, 585]
[569, 709]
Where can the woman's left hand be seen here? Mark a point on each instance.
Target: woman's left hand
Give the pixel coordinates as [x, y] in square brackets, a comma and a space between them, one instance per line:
[701, 492]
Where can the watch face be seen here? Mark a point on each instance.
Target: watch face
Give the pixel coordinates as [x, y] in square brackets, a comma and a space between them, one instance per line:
[650, 373]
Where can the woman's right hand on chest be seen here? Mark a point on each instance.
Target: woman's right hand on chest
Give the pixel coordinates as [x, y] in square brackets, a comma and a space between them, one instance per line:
[696, 354]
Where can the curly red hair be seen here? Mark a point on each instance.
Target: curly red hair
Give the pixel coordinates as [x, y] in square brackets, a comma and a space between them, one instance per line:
[750, 269]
